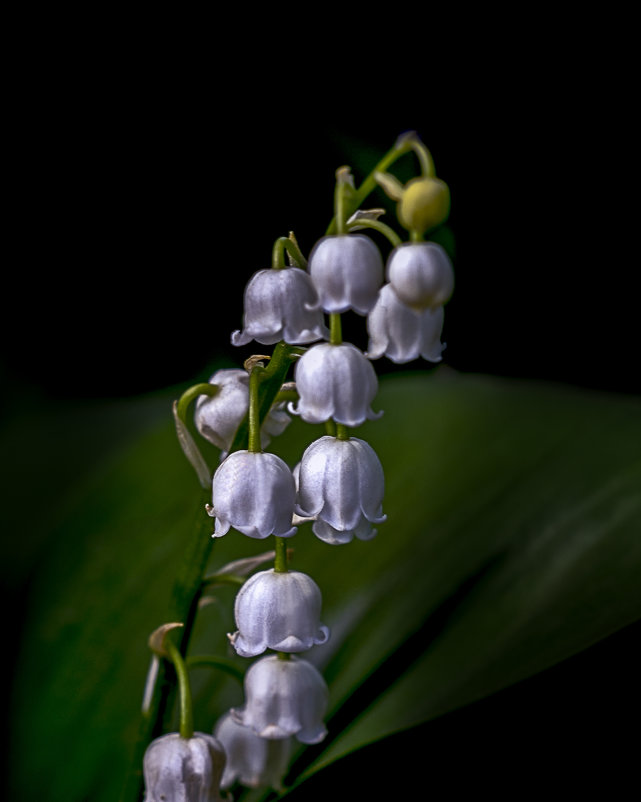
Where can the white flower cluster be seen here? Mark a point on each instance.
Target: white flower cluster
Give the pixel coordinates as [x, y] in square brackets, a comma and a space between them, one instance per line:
[338, 484]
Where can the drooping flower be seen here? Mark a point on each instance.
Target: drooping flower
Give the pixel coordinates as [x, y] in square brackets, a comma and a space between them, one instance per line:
[280, 611]
[341, 484]
[347, 270]
[335, 381]
[183, 769]
[421, 274]
[402, 332]
[281, 304]
[218, 417]
[283, 698]
[255, 493]
[252, 761]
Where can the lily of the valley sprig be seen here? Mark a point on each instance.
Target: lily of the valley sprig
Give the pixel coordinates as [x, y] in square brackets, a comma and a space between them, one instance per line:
[337, 485]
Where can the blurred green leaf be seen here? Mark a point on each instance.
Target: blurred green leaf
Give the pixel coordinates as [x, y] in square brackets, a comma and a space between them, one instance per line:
[512, 542]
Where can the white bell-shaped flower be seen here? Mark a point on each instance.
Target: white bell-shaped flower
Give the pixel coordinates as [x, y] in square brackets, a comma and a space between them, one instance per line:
[283, 698]
[251, 760]
[403, 333]
[421, 274]
[184, 769]
[335, 381]
[281, 304]
[280, 611]
[340, 483]
[218, 417]
[347, 270]
[255, 493]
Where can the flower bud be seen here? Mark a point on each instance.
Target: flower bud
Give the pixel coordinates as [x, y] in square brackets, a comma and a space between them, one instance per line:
[283, 698]
[335, 381]
[347, 271]
[183, 769]
[281, 304]
[401, 332]
[280, 611]
[424, 204]
[421, 274]
[341, 485]
[252, 761]
[254, 492]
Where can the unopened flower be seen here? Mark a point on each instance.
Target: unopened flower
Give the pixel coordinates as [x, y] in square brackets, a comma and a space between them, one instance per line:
[283, 698]
[183, 769]
[335, 381]
[251, 760]
[255, 493]
[281, 304]
[421, 274]
[347, 270]
[280, 611]
[402, 332]
[341, 484]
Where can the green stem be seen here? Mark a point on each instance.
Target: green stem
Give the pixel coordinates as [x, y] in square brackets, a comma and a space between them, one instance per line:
[280, 561]
[335, 329]
[340, 201]
[186, 706]
[192, 393]
[272, 379]
[282, 245]
[254, 444]
[416, 236]
[377, 225]
[342, 432]
[401, 146]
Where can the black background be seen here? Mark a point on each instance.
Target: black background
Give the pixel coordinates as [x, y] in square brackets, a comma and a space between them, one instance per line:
[144, 192]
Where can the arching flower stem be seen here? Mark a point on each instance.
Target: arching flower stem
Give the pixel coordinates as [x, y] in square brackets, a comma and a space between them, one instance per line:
[404, 144]
[377, 225]
[289, 245]
[186, 706]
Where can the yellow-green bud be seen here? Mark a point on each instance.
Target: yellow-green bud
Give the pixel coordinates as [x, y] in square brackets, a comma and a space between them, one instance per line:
[425, 203]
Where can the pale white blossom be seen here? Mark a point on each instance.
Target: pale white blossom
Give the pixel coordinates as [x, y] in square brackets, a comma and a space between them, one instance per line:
[284, 697]
[254, 492]
[340, 483]
[421, 274]
[279, 611]
[251, 760]
[347, 270]
[183, 769]
[403, 333]
[218, 417]
[281, 304]
[337, 382]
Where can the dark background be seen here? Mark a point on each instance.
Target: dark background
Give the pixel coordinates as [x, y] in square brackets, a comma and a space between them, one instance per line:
[144, 195]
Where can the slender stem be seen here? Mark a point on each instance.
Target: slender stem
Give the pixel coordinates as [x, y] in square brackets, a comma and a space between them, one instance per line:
[342, 432]
[402, 145]
[186, 706]
[335, 329]
[283, 244]
[280, 561]
[330, 428]
[204, 388]
[283, 655]
[416, 236]
[254, 412]
[378, 225]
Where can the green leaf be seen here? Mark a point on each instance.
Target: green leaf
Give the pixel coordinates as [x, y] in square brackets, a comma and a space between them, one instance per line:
[512, 542]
